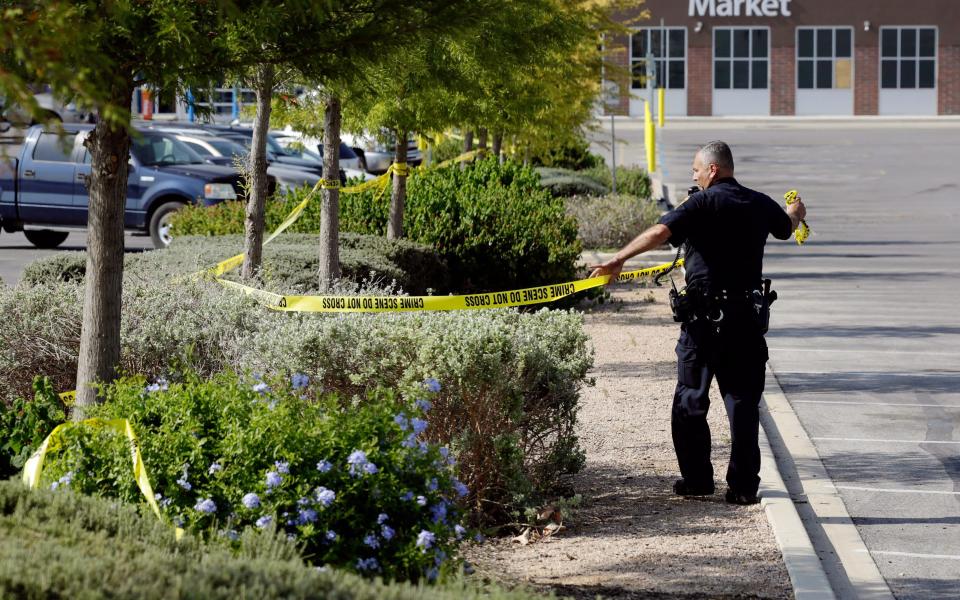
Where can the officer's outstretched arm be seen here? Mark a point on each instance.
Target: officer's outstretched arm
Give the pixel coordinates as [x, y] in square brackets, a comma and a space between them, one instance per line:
[654, 237]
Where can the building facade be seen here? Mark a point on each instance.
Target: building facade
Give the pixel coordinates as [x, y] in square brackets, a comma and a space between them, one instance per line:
[791, 57]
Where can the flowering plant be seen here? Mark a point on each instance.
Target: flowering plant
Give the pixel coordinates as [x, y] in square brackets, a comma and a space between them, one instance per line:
[358, 487]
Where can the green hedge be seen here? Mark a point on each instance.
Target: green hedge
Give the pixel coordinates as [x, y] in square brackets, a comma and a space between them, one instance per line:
[631, 181]
[356, 485]
[493, 224]
[64, 545]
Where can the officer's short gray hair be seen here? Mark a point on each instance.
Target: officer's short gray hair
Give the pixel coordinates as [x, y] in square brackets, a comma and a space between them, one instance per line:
[717, 153]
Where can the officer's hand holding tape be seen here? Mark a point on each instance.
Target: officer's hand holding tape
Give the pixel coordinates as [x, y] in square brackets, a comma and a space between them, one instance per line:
[797, 211]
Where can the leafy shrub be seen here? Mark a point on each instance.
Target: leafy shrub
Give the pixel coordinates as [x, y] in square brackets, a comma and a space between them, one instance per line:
[290, 263]
[448, 148]
[569, 154]
[631, 181]
[511, 380]
[565, 183]
[25, 424]
[354, 484]
[611, 221]
[493, 224]
[64, 545]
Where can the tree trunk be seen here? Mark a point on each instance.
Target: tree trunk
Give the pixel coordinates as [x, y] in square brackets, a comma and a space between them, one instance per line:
[109, 148]
[482, 145]
[258, 184]
[498, 145]
[330, 210]
[399, 194]
[468, 141]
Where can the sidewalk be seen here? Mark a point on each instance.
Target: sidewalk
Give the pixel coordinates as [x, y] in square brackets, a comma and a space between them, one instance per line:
[631, 537]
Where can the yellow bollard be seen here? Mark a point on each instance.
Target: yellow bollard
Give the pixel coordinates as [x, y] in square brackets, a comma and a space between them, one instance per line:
[649, 138]
[660, 98]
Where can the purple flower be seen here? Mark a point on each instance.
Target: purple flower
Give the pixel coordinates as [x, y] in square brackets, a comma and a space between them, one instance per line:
[264, 521]
[410, 441]
[359, 464]
[439, 557]
[407, 496]
[159, 385]
[424, 405]
[273, 479]
[251, 501]
[367, 564]
[260, 387]
[307, 515]
[460, 487]
[323, 466]
[282, 467]
[331, 535]
[460, 530]
[444, 452]
[214, 468]
[387, 532]
[421, 500]
[401, 420]
[381, 518]
[182, 482]
[438, 512]
[299, 380]
[419, 425]
[205, 505]
[432, 573]
[325, 496]
[229, 534]
[431, 384]
[426, 539]
[371, 540]
[433, 485]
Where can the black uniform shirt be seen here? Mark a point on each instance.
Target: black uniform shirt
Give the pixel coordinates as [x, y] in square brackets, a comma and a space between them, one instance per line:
[726, 227]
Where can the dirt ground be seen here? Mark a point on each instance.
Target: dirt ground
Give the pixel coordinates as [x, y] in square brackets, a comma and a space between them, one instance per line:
[631, 537]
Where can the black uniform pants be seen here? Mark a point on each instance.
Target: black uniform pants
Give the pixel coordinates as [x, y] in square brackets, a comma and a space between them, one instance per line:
[737, 357]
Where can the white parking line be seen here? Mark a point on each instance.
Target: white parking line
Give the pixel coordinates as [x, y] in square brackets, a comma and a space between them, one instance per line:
[874, 403]
[914, 554]
[840, 439]
[857, 351]
[893, 490]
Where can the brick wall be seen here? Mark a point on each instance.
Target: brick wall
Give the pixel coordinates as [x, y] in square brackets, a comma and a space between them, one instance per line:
[783, 81]
[699, 81]
[865, 82]
[948, 80]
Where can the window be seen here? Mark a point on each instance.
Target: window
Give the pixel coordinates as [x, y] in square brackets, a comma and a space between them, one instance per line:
[669, 48]
[824, 57]
[908, 57]
[740, 58]
[51, 147]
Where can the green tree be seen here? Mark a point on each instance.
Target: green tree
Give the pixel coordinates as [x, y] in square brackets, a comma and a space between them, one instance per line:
[98, 52]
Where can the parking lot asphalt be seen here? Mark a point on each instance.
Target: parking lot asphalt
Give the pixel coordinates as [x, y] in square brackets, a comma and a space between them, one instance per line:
[864, 339]
[16, 252]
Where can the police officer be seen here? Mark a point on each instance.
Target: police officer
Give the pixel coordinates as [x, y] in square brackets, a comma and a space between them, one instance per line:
[724, 227]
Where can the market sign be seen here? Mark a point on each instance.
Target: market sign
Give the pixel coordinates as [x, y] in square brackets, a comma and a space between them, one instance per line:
[737, 8]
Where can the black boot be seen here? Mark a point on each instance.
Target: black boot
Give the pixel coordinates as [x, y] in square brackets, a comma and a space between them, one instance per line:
[682, 488]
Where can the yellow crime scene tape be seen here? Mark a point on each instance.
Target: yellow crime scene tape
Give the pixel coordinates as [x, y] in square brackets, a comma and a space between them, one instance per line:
[508, 298]
[803, 231]
[34, 466]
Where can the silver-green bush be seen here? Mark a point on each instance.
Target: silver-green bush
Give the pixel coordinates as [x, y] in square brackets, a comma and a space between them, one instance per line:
[510, 380]
[611, 221]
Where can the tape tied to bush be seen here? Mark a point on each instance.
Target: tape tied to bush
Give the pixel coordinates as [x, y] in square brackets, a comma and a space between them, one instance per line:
[34, 465]
[377, 304]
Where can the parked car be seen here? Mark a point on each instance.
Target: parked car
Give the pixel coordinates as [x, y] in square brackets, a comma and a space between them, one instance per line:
[377, 152]
[292, 142]
[223, 151]
[43, 192]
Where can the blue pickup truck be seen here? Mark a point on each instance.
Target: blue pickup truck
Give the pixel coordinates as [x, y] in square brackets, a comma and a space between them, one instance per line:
[43, 192]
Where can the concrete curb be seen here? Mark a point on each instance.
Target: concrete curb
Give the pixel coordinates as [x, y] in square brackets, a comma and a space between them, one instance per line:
[806, 572]
[852, 571]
